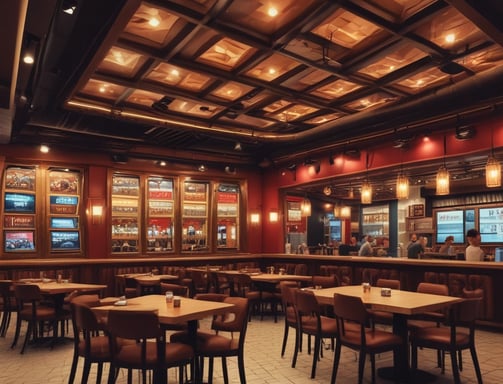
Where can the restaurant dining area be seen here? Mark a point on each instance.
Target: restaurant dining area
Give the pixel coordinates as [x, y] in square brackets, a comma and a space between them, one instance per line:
[250, 191]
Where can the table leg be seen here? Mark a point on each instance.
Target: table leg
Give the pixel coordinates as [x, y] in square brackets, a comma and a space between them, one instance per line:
[401, 372]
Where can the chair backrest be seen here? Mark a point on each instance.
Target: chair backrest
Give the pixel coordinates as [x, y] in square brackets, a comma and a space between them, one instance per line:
[26, 293]
[220, 297]
[135, 325]
[465, 312]
[388, 283]
[325, 281]
[84, 319]
[177, 289]
[235, 320]
[434, 289]
[85, 299]
[350, 308]
[306, 303]
[241, 284]
[5, 291]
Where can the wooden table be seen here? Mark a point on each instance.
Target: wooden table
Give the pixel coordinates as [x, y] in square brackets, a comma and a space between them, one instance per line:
[54, 288]
[402, 304]
[190, 311]
[273, 278]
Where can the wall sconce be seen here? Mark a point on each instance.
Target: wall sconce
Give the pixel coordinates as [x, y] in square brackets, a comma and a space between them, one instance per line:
[273, 216]
[314, 166]
[255, 218]
[96, 213]
[402, 187]
[305, 207]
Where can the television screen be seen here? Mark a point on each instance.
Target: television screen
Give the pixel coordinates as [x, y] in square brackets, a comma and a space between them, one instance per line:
[491, 224]
[64, 222]
[19, 241]
[450, 223]
[65, 241]
[19, 202]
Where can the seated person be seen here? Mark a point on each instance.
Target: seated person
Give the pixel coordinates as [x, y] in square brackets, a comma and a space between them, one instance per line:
[446, 248]
[473, 252]
[416, 250]
[366, 247]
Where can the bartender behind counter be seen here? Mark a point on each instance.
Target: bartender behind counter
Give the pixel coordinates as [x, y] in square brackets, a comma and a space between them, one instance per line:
[473, 251]
[416, 250]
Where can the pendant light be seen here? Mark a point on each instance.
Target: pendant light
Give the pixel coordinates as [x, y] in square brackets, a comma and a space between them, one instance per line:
[402, 187]
[345, 212]
[337, 210]
[305, 207]
[493, 168]
[366, 191]
[443, 177]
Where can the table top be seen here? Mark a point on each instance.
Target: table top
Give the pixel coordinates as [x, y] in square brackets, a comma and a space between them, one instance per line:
[190, 309]
[53, 287]
[400, 302]
[153, 279]
[270, 277]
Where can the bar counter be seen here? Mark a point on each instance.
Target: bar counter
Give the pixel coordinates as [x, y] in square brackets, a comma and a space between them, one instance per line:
[487, 276]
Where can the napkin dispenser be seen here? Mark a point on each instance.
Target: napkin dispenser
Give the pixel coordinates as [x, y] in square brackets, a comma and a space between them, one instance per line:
[386, 292]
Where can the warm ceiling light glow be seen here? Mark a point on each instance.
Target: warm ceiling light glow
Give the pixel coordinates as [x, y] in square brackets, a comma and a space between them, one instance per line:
[345, 212]
[493, 173]
[443, 181]
[273, 216]
[28, 59]
[305, 207]
[103, 89]
[272, 12]
[402, 187]
[44, 149]
[337, 210]
[450, 38]
[272, 71]
[201, 168]
[154, 22]
[366, 193]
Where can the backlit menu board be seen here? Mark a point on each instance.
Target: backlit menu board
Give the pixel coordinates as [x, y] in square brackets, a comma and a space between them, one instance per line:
[491, 224]
[19, 208]
[63, 202]
[450, 223]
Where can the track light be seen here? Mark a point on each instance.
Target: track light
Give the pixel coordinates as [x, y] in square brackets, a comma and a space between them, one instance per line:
[237, 146]
[230, 170]
[202, 168]
[69, 6]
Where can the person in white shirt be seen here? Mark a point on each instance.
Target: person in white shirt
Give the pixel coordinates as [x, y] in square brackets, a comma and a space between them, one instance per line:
[473, 252]
[366, 248]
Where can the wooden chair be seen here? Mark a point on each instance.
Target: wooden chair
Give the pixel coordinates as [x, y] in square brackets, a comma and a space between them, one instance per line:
[217, 345]
[353, 331]
[143, 354]
[7, 305]
[30, 309]
[90, 341]
[312, 322]
[458, 336]
[177, 289]
[290, 314]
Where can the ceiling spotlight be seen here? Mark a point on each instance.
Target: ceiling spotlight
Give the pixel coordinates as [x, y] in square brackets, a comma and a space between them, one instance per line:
[327, 191]
[230, 170]
[237, 146]
[331, 160]
[119, 159]
[69, 6]
[202, 168]
[44, 148]
[162, 163]
[465, 132]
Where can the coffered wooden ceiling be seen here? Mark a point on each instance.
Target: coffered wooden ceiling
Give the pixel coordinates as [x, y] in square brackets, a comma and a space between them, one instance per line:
[284, 78]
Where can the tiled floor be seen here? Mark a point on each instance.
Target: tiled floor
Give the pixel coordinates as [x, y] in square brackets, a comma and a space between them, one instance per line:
[263, 362]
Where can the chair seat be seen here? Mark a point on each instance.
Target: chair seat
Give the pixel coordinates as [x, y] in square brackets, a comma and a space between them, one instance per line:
[41, 313]
[217, 344]
[130, 354]
[441, 336]
[375, 339]
[100, 349]
[328, 326]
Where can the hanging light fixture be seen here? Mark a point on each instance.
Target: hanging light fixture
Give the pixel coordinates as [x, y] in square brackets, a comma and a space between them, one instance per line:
[305, 207]
[345, 212]
[402, 186]
[443, 177]
[366, 191]
[337, 210]
[493, 168]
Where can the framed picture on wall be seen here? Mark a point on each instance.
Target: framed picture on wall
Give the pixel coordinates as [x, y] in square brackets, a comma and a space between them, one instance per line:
[19, 241]
[22, 179]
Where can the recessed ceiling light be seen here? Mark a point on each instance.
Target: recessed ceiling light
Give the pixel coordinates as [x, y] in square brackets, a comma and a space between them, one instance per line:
[28, 59]
[272, 12]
